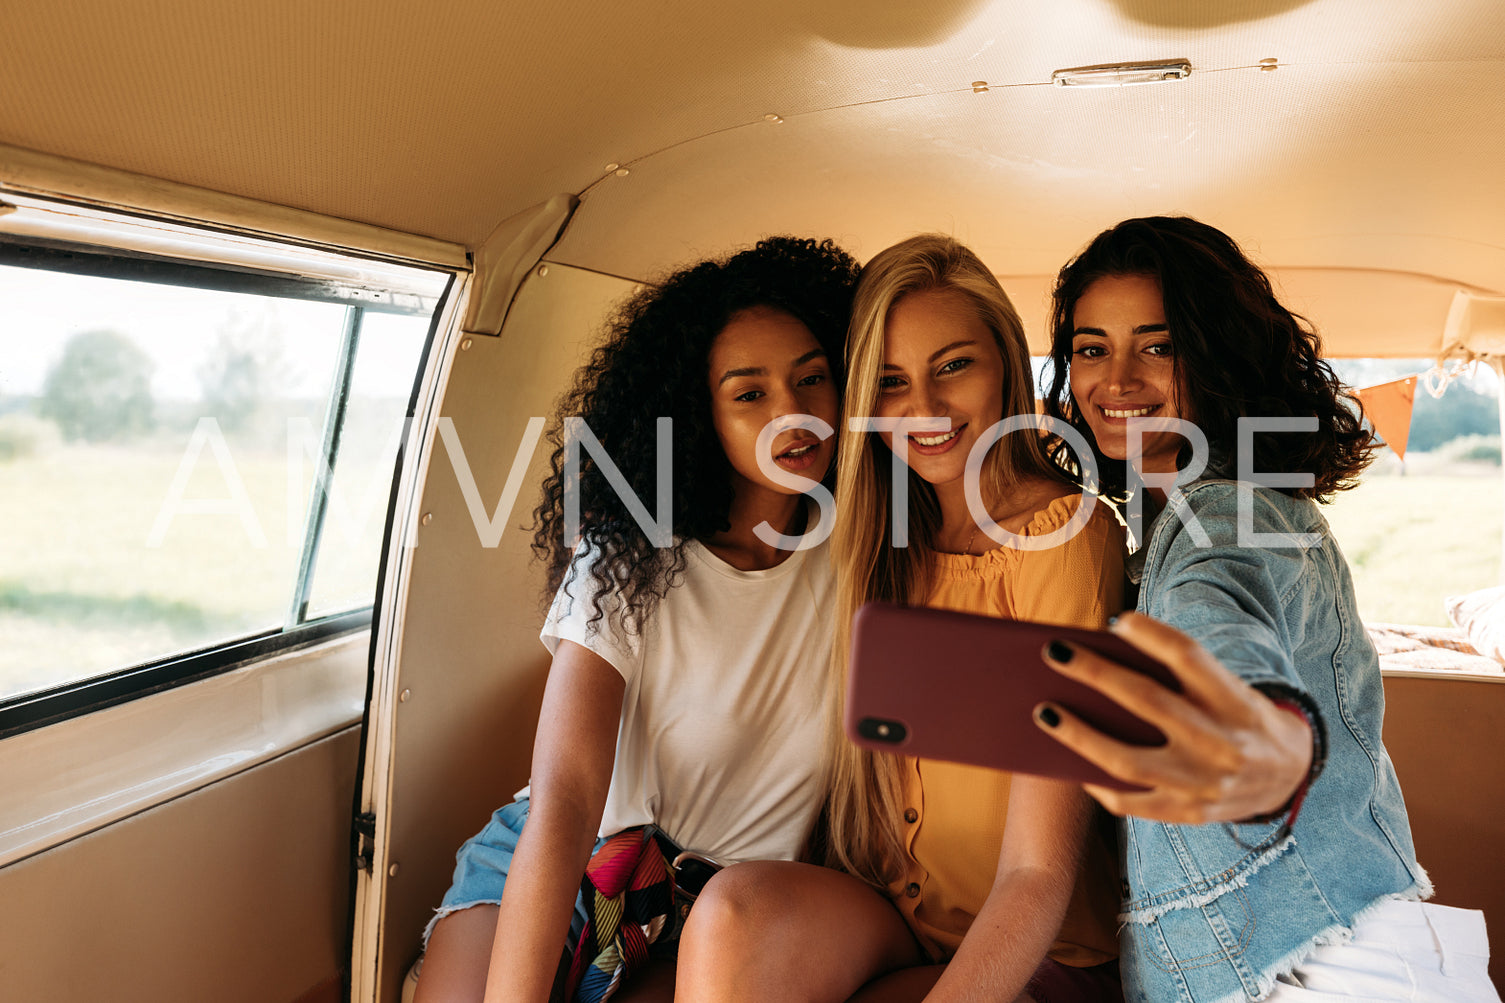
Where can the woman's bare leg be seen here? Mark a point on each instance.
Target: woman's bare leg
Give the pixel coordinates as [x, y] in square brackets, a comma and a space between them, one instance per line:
[777, 930]
[454, 966]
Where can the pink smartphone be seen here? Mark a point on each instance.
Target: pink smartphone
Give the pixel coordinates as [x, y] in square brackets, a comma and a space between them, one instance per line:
[956, 686]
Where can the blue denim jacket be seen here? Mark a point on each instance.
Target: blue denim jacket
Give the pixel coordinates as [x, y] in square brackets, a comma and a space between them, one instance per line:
[1209, 920]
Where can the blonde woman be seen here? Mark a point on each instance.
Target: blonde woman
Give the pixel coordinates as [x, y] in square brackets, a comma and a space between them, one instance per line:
[964, 878]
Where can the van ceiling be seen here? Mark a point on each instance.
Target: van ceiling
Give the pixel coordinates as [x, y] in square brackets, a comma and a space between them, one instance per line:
[1365, 168]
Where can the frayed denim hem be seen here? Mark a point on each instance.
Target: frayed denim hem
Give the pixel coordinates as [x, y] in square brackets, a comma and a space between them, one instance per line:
[1212, 894]
[1337, 933]
[446, 910]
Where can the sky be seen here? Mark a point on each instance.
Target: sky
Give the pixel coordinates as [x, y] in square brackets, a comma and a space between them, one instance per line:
[179, 326]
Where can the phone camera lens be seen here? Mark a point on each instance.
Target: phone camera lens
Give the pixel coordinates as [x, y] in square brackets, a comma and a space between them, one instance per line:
[880, 729]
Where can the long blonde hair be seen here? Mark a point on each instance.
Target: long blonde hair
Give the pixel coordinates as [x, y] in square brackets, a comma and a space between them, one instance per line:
[866, 788]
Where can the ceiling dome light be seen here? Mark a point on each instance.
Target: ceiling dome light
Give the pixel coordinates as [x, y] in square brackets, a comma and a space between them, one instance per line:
[1122, 74]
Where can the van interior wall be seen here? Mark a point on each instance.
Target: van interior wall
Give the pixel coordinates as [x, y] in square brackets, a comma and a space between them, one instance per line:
[1443, 734]
[236, 893]
[470, 665]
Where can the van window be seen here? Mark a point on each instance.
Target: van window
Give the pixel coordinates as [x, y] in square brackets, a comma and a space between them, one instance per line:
[1419, 530]
[194, 455]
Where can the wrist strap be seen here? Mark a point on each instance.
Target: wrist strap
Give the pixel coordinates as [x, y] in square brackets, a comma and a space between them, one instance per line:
[1299, 702]
[1294, 701]
[1292, 807]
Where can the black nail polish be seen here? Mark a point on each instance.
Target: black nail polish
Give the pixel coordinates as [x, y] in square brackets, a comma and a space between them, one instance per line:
[1048, 716]
[1060, 651]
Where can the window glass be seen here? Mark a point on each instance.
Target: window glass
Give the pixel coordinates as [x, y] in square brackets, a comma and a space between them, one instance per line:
[147, 491]
[387, 355]
[1420, 530]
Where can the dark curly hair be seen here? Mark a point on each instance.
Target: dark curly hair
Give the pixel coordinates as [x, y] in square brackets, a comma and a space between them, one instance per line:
[1238, 352]
[654, 364]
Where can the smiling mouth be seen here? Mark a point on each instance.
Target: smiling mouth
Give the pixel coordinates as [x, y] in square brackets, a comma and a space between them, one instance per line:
[1133, 412]
[801, 456]
[937, 440]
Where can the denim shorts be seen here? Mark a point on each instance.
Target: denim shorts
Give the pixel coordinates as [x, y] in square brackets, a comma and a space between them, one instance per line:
[481, 866]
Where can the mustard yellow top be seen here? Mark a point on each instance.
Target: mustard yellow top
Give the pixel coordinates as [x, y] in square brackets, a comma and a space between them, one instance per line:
[955, 814]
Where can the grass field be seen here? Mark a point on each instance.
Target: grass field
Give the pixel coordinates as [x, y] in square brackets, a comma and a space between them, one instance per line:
[82, 591]
[1414, 540]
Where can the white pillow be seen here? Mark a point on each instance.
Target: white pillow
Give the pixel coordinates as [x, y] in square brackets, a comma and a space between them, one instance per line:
[1481, 616]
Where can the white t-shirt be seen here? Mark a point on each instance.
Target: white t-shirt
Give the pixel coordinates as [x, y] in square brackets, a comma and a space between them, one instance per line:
[722, 739]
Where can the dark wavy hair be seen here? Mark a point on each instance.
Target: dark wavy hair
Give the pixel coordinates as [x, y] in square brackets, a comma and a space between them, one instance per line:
[1237, 352]
[654, 364]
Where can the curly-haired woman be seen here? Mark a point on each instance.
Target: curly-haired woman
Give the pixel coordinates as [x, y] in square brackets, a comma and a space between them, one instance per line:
[1249, 875]
[687, 686]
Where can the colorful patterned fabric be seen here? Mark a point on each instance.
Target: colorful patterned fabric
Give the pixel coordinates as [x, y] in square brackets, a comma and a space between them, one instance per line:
[629, 896]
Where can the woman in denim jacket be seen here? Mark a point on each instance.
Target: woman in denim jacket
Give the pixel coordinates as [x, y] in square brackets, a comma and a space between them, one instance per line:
[1269, 856]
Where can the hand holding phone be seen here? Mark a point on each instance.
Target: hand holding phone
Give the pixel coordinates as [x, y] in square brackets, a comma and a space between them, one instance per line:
[1232, 752]
[957, 686]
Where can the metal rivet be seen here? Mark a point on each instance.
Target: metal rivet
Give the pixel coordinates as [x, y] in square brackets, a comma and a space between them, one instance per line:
[979, 87]
[771, 117]
[612, 167]
[465, 345]
[392, 871]
[403, 696]
[1269, 63]
[543, 270]
[428, 517]
[622, 172]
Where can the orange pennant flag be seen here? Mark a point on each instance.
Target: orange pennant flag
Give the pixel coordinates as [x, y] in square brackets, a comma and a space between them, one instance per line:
[1388, 408]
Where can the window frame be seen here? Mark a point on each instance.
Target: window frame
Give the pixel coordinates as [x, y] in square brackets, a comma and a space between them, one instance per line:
[39, 708]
